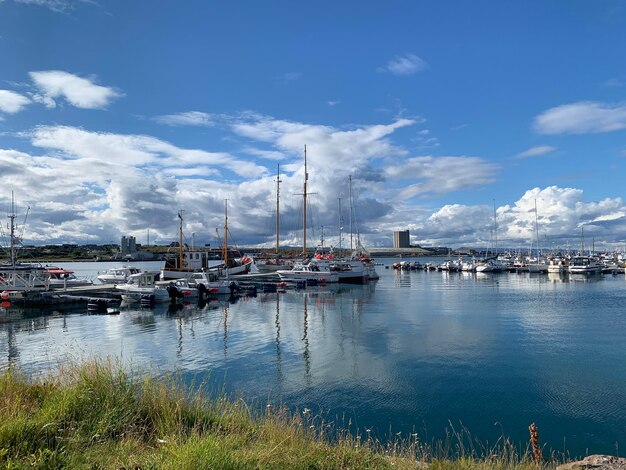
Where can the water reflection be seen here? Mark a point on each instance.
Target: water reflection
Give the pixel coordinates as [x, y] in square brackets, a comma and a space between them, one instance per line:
[413, 348]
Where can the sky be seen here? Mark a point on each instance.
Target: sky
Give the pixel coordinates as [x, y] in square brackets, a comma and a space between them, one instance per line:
[115, 115]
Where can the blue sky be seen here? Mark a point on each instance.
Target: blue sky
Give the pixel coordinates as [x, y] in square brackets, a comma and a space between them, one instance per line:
[115, 115]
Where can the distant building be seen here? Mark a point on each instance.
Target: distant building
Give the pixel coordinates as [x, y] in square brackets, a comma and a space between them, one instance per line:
[401, 239]
[128, 247]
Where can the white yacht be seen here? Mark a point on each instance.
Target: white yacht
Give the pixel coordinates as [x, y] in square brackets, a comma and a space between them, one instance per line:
[144, 284]
[303, 272]
[118, 275]
[60, 278]
[584, 265]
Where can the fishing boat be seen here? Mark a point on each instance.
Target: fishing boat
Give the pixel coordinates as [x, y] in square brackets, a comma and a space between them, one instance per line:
[225, 262]
[16, 276]
[273, 263]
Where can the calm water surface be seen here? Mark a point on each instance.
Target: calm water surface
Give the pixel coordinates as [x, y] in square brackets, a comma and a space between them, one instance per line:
[413, 351]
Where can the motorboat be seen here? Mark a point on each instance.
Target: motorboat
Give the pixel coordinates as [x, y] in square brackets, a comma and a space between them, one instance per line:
[119, 275]
[144, 285]
[303, 272]
[558, 265]
[61, 278]
[584, 265]
[212, 284]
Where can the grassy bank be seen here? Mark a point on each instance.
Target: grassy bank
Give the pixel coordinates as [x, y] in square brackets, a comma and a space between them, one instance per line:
[98, 416]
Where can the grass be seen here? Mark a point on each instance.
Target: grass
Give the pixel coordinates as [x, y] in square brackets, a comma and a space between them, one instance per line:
[97, 415]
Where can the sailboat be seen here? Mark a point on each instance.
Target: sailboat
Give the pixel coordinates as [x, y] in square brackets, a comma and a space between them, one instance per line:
[192, 260]
[536, 265]
[306, 270]
[273, 264]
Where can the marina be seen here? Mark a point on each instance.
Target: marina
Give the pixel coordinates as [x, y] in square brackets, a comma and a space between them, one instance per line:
[414, 351]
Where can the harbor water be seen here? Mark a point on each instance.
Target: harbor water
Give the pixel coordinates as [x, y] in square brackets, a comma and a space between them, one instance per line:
[413, 352]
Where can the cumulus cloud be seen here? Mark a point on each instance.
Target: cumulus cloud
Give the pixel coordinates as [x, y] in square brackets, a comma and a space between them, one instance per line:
[535, 151]
[583, 117]
[190, 118]
[12, 102]
[561, 212]
[115, 184]
[78, 91]
[408, 64]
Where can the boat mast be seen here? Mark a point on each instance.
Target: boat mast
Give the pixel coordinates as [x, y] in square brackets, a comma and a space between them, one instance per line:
[495, 229]
[306, 177]
[180, 241]
[582, 240]
[12, 230]
[350, 186]
[537, 231]
[225, 254]
[340, 222]
[278, 181]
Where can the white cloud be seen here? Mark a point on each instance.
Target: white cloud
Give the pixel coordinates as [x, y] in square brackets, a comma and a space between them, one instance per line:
[79, 92]
[190, 118]
[58, 6]
[584, 117]
[535, 151]
[440, 175]
[12, 102]
[404, 65]
[332, 103]
[135, 150]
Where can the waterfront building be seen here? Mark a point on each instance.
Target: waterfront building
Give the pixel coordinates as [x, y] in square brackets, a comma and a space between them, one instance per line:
[128, 247]
[401, 239]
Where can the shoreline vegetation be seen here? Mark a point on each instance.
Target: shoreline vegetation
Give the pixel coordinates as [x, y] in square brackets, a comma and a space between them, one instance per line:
[99, 415]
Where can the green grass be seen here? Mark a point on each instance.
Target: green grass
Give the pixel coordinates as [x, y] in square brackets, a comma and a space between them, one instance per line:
[97, 415]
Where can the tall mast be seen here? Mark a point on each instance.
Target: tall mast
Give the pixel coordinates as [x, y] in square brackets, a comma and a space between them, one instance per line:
[350, 185]
[278, 181]
[340, 222]
[495, 229]
[582, 240]
[225, 255]
[180, 241]
[12, 229]
[306, 177]
[537, 230]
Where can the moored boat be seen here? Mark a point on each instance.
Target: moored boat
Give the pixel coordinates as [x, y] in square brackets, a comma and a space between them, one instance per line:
[59, 277]
[117, 275]
[584, 265]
